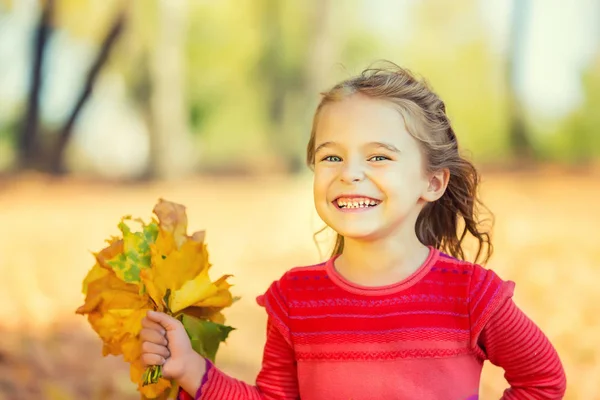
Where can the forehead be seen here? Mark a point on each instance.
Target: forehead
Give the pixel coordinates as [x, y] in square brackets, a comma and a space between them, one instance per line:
[359, 119]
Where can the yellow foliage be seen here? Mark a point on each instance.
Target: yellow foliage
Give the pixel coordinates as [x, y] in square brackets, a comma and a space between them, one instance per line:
[158, 268]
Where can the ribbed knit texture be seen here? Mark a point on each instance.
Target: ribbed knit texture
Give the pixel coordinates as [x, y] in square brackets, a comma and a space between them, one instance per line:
[423, 338]
[532, 367]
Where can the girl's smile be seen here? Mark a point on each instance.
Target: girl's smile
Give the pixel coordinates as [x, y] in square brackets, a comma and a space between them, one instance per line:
[355, 203]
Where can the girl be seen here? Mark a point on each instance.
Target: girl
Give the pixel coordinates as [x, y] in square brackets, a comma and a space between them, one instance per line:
[396, 312]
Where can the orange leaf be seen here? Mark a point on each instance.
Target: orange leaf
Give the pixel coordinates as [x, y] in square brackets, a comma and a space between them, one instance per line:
[173, 219]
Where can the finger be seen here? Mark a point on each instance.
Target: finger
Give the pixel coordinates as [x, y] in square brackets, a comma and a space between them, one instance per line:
[164, 320]
[152, 359]
[148, 323]
[153, 348]
[154, 336]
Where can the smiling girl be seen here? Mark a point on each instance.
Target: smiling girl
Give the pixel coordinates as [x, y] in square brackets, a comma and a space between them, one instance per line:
[396, 312]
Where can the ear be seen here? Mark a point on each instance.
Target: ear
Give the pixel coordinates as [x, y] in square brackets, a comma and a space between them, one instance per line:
[437, 184]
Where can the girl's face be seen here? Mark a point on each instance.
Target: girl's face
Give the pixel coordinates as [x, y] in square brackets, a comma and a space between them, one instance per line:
[369, 180]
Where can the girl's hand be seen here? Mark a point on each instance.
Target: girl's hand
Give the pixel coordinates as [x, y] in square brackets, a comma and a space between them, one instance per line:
[165, 342]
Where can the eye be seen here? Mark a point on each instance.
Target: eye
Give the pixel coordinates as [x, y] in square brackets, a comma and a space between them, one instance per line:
[379, 158]
[332, 159]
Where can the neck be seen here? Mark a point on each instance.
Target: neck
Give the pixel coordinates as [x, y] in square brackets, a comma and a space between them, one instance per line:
[382, 261]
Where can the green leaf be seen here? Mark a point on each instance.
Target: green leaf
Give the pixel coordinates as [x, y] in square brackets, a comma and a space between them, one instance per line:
[136, 251]
[205, 335]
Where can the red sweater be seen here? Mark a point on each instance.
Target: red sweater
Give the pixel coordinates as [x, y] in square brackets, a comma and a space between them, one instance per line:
[423, 338]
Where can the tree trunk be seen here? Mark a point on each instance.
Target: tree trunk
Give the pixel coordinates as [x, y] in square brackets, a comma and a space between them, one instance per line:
[323, 51]
[29, 148]
[322, 54]
[172, 153]
[519, 141]
[65, 134]
[320, 57]
[272, 69]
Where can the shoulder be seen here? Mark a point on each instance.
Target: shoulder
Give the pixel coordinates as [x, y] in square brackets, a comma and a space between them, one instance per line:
[483, 288]
[486, 291]
[475, 276]
[295, 279]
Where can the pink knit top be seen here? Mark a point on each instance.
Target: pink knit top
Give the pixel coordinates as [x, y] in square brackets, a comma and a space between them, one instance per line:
[424, 338]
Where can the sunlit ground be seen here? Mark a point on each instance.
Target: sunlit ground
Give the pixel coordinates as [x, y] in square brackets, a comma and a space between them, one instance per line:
[546, 240]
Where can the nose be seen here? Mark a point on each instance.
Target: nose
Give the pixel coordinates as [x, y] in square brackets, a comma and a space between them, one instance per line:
[352, 173]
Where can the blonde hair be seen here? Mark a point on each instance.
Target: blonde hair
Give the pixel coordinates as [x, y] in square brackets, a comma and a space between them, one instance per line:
[445, 223]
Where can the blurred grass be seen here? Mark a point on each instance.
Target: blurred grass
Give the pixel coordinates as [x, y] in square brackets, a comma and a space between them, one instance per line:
[545, 240]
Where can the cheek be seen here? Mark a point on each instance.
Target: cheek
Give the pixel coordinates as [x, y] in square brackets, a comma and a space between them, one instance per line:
[319, 188]
[322, 180]
[388, 180]
[398, 185]
[320, 198]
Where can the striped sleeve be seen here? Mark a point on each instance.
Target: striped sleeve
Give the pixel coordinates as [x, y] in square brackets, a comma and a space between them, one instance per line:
[277, 379]
[487, 291]
[275, 303]
[531, 364]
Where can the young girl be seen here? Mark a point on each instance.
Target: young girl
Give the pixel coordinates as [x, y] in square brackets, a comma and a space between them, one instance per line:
[396, 312]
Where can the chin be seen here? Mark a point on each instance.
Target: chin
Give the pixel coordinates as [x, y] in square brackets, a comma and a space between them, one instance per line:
[356, 233]
[349, 227]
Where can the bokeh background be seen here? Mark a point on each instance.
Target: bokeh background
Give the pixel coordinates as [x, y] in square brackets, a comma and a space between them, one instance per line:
[107, 105]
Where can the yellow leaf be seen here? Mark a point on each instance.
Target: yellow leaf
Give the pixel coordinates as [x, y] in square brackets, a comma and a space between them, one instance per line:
[101, 268]
[115, 310]
[114, 249]
[108, 288]
[189, 261]
[192, 292]
[222, 298]
[131, 348]
[133, 254]
[95, 273]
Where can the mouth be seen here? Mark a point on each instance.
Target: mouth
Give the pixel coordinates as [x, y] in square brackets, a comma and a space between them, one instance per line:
[353, 202]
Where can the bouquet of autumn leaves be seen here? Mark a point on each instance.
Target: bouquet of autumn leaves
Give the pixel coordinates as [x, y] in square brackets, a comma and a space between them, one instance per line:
[158, 267]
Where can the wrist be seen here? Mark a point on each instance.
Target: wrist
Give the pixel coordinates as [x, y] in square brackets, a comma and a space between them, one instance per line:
[195, 368]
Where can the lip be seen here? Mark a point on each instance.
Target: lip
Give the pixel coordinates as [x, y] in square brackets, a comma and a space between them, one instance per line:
[355, 196]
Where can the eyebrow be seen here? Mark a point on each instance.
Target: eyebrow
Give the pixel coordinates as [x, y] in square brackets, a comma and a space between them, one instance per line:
[387, 146]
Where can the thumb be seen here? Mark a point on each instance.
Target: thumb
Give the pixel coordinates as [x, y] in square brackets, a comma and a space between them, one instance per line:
[164, 320]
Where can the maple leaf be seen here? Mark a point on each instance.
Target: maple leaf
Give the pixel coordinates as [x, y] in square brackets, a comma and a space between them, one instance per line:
[173, 219]
[174, 250]
[205, 336]
[201, 292]
[189, 260]
[135, 254]
[158, 267]
[115, 310]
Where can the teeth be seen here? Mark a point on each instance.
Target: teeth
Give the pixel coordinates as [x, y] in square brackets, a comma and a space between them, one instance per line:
[356, 203]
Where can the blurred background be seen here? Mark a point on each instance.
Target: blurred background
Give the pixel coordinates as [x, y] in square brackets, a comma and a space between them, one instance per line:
[107, 105]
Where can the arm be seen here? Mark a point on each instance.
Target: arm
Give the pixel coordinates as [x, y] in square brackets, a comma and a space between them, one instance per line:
[503, 334]
[277, 379]
[531, 364]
